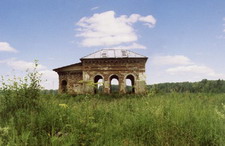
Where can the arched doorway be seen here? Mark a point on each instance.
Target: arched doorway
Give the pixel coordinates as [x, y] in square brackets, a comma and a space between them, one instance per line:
[98, 80]
[64, 86]
[114, 84]
[130, 84]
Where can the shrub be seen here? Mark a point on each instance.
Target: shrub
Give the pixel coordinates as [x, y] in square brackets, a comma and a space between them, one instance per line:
[20, 94]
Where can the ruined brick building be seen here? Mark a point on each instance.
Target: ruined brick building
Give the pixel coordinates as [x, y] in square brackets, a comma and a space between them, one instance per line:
[105, 65]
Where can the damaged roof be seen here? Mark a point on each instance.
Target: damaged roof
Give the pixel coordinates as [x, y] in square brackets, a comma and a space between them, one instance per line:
[113, 53]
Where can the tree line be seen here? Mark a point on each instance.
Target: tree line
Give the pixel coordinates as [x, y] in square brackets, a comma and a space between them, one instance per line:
[204, 86]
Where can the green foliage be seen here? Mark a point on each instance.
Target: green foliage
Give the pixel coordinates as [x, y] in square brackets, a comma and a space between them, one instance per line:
[114, 89]
[19, 95]
[204, 86]
[19, 104]
[163, 119]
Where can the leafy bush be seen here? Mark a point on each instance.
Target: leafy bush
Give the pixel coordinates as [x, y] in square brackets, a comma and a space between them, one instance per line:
[20, 94]
[19, 102]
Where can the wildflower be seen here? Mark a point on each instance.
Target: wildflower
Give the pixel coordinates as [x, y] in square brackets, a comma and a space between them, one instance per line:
[63, 105]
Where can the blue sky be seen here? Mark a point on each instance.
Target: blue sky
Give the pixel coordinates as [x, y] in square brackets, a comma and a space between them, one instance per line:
[184, 40]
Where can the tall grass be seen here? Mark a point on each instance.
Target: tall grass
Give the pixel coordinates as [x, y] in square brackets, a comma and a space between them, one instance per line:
[171, 119]
[31, 118]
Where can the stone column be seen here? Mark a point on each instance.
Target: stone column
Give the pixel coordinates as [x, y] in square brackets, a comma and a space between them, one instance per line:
[106, 87]
[87, 80]
[140, 86]
[122, 85]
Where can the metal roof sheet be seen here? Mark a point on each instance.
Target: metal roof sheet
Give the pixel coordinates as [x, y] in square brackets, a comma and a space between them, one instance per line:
[113, 53]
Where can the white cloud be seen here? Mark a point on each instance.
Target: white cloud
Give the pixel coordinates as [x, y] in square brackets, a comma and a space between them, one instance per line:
[196, 70]
[171, 60]
[94, 8]
[199, 69]
[179, 68]
[104, 29]
[21, 65]
[49, 77]
[127, 47]
[4, 46]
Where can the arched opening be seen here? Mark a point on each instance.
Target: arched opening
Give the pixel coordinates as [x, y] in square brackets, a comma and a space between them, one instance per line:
[98, 80]
[64, 86]
[114, 84]
[130, 84]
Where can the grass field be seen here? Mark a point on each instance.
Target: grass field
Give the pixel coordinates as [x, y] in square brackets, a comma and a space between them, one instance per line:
[28, 116]
[161, 119]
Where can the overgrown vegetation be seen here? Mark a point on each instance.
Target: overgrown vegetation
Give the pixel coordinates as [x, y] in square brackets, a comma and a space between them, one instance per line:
[31, 117]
